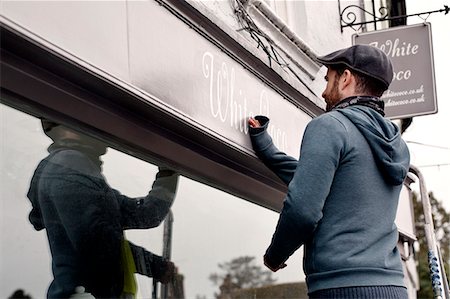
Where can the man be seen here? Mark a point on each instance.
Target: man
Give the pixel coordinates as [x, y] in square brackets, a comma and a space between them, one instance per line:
[344, 189]
[84, 219]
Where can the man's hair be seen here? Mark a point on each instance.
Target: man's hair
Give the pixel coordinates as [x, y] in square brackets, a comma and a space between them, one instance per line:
[364, 83]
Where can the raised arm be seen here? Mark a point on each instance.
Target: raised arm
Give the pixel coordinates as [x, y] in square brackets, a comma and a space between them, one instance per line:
[322, 146]
[150, 211]
[281, 164]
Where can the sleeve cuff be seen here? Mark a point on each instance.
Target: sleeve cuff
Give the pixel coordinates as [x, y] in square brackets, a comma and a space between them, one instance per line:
[271, 260]
[264, 121]
[259, 136]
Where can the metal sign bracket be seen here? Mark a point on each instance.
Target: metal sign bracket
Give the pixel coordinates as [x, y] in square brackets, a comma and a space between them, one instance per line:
[348, 17]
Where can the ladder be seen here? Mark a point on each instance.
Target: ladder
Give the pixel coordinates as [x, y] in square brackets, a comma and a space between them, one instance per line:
[437, 272]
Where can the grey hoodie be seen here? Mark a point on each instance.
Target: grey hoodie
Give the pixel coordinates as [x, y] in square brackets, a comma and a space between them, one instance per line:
[342, 198]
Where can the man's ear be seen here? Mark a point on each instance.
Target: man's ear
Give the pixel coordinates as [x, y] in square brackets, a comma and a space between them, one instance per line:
[346, 79]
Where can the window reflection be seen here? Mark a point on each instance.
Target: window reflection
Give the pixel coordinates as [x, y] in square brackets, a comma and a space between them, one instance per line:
[84, 219]
[210, 227]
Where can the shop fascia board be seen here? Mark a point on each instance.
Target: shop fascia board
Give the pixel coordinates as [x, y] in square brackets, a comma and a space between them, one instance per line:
[38, 75]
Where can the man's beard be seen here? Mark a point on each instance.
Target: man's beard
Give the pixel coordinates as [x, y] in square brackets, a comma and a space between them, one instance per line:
[334, 97]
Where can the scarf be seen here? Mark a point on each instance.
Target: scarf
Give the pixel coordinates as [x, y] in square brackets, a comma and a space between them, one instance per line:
[369, 101]
[91, 151]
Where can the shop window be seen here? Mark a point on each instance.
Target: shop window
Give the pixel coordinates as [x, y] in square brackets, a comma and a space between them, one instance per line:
[210, 227]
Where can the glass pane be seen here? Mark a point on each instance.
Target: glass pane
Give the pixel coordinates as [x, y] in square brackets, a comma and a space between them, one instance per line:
[72, 222]
[210, 227]
[24, 261]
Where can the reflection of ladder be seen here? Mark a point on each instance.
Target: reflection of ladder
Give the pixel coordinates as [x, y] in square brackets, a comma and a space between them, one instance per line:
[167, 250]
[437, 272]
[175, 288]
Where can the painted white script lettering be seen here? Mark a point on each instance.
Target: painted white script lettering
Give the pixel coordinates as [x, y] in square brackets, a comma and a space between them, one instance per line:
[234, 111]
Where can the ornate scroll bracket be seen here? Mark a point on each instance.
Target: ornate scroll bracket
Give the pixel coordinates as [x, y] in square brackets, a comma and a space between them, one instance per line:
[348, 16]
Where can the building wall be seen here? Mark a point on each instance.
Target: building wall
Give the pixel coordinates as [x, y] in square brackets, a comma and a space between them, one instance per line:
[315, 23]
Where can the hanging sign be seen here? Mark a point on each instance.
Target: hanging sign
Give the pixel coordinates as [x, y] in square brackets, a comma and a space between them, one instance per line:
[412, 91]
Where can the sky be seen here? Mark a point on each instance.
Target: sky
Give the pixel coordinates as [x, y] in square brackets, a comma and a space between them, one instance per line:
[428, 140]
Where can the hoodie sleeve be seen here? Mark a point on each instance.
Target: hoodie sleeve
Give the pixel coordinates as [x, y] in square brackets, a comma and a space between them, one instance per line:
[150, 211]
[281, 164]
[322, 146]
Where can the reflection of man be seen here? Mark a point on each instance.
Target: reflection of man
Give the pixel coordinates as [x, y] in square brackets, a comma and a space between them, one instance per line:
[343, 191]
[85, 218]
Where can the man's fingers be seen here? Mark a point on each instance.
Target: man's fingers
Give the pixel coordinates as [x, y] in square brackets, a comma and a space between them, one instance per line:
[253, 123]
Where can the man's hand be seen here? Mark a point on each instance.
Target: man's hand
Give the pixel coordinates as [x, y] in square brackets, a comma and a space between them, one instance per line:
[164, 171]
[253, 123]
[168, 272]
[273, 269]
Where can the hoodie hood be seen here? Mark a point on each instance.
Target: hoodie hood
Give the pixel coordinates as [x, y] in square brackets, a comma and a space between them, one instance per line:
[390, 151]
